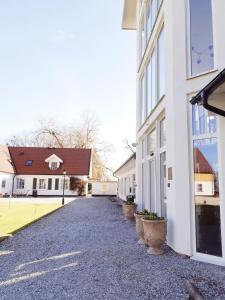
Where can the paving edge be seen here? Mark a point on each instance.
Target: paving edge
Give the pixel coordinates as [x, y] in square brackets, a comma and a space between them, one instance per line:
[29, 224]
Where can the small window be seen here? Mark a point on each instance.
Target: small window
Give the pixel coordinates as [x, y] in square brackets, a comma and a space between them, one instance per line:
[54, 165]
[3, 184]
[199, 187]
[42, 184]
[57, 184]
[20, 183]
[29, 163]
[66, 184]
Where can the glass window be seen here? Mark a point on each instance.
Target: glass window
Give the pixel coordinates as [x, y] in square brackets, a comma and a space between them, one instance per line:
[151, 84]
[204, 121]
[29, 163]
[20, 183]
[3, 184]
[201, 36]
[149, 89]
[152, 143]
[142, 36]
[42, 184]
[143, 100]
[143, 149]
[54, 165]
[66, 184]
[207, 197]
[56, 183]
[161, 65]
[162, 133]
[152, 9]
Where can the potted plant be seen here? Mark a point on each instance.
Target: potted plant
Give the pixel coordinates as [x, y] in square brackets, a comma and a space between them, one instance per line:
[154, 233]
[139, 225]
[129, 208]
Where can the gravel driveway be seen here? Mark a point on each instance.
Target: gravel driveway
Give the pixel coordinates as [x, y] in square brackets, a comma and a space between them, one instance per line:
[88, 251]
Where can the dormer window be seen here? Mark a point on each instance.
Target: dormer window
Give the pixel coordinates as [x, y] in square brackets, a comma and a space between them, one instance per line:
[54, 162]
[54, 165]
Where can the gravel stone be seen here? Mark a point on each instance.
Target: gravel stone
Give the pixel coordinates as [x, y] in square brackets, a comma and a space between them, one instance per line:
[86, 251]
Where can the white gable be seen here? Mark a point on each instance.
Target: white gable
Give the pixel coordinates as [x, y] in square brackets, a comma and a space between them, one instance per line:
[54, 158]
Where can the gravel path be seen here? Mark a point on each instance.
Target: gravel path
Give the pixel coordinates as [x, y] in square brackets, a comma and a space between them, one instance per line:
[88, 251]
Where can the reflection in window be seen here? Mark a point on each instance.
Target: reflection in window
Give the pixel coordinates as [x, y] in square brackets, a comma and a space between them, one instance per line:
[207, 197]
[201, 36]
[204, 122]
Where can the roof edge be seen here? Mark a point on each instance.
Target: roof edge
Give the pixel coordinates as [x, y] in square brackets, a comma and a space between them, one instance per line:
[133, 156]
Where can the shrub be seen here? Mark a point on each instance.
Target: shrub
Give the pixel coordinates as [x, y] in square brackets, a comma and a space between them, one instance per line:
[76, 184]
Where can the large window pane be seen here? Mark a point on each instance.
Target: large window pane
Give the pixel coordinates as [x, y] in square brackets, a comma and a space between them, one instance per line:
[201, 36]
[142, 36]
[161, 65]
[162, 133]
[154, 94]
[149, 87]
[204, 122]
[152, 143]
[143, 100]
[207, 197]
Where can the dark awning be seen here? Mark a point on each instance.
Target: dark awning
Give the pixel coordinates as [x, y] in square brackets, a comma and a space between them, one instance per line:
[212, 97]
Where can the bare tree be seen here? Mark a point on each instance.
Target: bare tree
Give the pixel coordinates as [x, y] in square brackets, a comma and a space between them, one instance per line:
[128, 146]
[84, 134]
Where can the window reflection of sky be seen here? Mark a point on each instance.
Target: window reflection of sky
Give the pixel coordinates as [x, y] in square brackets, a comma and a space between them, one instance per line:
[202, 53]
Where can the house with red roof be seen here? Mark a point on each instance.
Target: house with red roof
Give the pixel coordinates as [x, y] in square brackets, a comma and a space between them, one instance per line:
[47, 171]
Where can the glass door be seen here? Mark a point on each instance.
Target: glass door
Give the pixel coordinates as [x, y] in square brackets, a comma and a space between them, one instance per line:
[206, 183]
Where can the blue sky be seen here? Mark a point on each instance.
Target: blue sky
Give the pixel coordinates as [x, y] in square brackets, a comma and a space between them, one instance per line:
[59, 58]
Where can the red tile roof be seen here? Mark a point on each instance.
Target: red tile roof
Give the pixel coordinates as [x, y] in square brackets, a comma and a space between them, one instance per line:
[75, 161]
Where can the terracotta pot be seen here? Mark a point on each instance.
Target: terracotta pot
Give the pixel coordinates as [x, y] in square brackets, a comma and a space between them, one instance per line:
[139, 228]
[154, 235]
[129, 210]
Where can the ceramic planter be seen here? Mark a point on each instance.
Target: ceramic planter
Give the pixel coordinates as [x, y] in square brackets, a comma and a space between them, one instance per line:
[154, 235]
[129, 210]
[139, 228]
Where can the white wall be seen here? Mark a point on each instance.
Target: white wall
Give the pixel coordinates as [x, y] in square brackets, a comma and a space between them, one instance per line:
[28, 188]
[179, 89]
[9, 179]
[104, 188]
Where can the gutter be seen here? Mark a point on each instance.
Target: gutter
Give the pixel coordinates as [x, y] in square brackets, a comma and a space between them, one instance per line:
[202, 97]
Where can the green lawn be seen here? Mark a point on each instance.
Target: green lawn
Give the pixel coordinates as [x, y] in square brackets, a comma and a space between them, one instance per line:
[14, 216]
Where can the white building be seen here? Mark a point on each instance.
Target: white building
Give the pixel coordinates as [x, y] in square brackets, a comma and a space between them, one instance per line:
[126, 177]
[104, 188]
[180, 50]
[49, 171]
[6, 172]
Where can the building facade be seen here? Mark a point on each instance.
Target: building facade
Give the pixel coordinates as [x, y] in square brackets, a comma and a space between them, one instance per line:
[6, 172]
[126, 175]
[45, 171]
[180, 165]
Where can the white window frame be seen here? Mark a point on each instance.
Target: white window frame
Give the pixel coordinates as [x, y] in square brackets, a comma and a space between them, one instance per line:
[42, 184]
[196, 255]
[20, 184]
